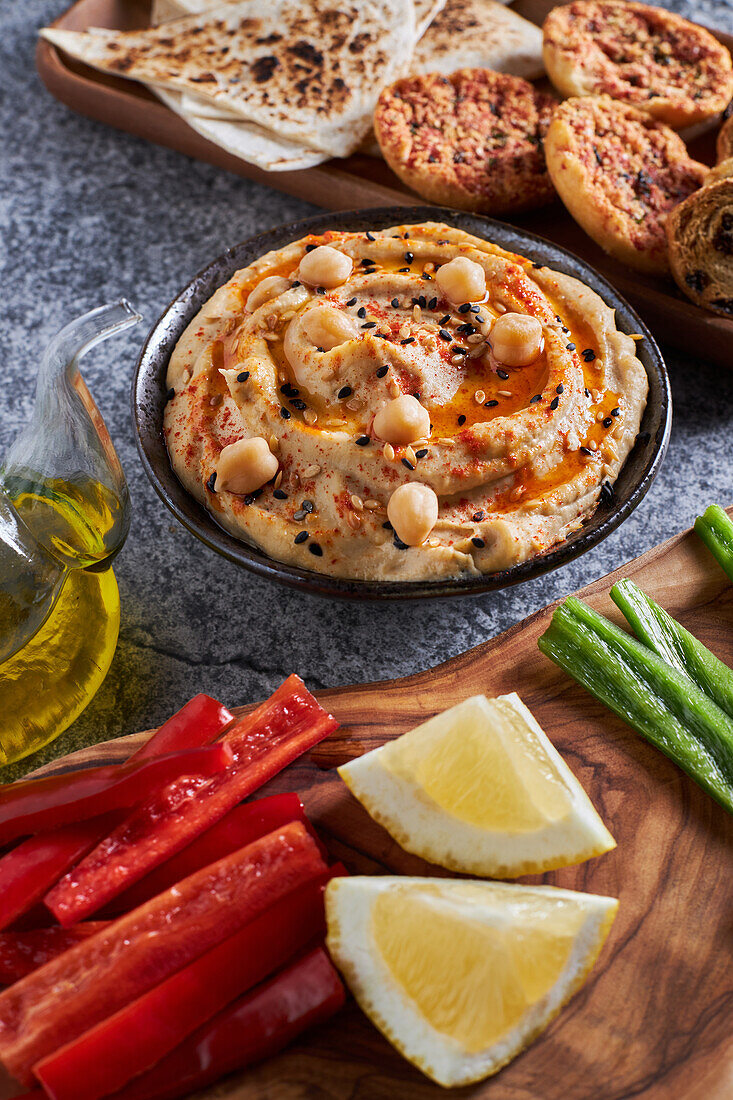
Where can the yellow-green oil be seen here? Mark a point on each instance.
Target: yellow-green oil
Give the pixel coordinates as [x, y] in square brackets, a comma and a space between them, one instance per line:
[47, 683]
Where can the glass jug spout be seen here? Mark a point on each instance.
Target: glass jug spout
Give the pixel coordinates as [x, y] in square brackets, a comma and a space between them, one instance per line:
[62, 475]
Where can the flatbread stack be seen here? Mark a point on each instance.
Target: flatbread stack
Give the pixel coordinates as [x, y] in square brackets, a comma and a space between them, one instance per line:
[288, 84]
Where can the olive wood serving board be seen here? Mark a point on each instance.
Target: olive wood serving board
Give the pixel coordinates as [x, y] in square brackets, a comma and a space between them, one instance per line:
[360, 181]
[654, 1019]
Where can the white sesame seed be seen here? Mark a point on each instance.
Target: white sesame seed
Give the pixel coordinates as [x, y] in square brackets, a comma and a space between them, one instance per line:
[312, 471]
[278, 479]
[475, 338]
[354, 520]
[410, 455]
[416, 312]
[456, 360]
[310, 416]
[479, 397]
[270, 336]
[216, 400]
[504, 393]
[372, 505]
[394, 390]
[274, 443]
[404, 332]
[433, 542]
[357, 502]
[445, 442]
[388, 451]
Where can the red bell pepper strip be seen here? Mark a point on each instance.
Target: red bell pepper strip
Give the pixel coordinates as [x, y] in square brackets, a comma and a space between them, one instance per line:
[288, 724]
[23, 952]
[255, 1027]
[30, 870]
[140, 1034]
[34, 805]
[197, 723]
[240, 827]
[89, 982]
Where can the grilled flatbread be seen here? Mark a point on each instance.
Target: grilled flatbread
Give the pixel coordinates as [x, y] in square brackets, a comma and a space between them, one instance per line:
[479, 34]
[312, 76]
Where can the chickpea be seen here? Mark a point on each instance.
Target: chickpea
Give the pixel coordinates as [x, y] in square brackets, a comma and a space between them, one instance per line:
[327, 327]
[245, 466]
[402, 420]
[462, 280]
[325, 266]
[516, 339]
[271, 287]
[413, 512]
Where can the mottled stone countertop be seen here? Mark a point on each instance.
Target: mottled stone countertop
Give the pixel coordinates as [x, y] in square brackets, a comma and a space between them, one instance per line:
[88, 214]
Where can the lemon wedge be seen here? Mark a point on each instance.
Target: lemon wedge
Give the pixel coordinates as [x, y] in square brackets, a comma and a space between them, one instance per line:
[480, 789]
[461, 976]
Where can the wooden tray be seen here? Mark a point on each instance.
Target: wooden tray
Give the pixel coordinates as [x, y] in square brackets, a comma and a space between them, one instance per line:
[654, 1019]
[360, 181]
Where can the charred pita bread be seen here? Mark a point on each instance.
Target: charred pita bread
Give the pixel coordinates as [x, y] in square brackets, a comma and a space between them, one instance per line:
[310, 74]
[479, 34]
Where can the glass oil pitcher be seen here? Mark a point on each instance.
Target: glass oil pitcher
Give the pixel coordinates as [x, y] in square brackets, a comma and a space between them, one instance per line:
[64, 514]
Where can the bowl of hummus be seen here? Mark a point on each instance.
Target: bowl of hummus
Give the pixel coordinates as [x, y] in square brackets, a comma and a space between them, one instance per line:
[400, 403]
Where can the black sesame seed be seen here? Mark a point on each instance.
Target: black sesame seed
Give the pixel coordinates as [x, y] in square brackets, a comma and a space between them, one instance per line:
[587, 392]
[369, 324]
[466, 329]
[464, 308]
[296, 282]
[211, 483]
[285, 414]
[363, 441]
[361, 312]
[381, 335]
[444, 320]
[400, 545]
[490, 404]
[243, 376]
[503, 374]
[481, 320]
[299, 515]
[345, 391]
[586, 451]
[589, 355]
[370, 236]
[426, 277]
[475, 309]
[315, 549]
[555, 402]
[537, 397]
[458, 350]
[478, 542]
[401, 269]
[406, 462]
[320, 290]
[320, 349]
[298, 404]
[367, 263]
[570, 347]
[560, 389]
[308, 506]
[432, 303]
[422, 301]
[444, 334]
[387, 526]
[607, 421]
[478, 516]
[416, 301]
[382, 371]
[289, 391]
[252, 497]
[395, 303]
[408, 340]
[409, 257]
[607, 494]
[310, 247]
[170, 395]
[421, 453]
[351, 302]
[538, 267]
[279, 494]
[461, 419]
[616, 412]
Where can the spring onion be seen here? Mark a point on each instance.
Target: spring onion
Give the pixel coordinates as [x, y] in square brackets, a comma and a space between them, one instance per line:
[715, 528]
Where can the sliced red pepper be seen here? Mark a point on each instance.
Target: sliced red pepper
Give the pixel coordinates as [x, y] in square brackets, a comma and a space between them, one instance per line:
[23, 952]
[263, 743]
[34, 805]
[89, 982]
[255, 1027]
[197, 723]
[27, 871]
[240, 827]
[30, 870]
[140, 1034]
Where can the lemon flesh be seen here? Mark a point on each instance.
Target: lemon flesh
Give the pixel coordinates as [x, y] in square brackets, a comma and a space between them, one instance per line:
[462, 976]
[480, 789]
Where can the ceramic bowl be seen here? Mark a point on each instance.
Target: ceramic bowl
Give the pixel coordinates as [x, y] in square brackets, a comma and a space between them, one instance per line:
[149, 396]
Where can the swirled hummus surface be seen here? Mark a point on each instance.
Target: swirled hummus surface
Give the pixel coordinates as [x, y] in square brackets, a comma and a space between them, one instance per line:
[509, 459]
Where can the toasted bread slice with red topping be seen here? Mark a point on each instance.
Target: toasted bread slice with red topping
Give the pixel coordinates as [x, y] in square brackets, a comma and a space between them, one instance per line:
[472, 140]
[666, 66]
[620, 173]
[724, 146]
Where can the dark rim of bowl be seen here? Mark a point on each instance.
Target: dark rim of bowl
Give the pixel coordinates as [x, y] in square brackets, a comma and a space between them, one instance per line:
[149, 396]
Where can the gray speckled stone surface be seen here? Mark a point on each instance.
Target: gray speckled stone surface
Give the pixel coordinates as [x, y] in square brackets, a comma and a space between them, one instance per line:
[87, 214]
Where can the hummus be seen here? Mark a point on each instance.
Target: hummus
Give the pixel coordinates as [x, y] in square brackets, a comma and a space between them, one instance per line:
[288, 416]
